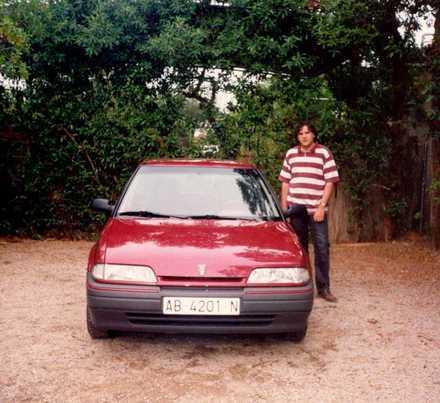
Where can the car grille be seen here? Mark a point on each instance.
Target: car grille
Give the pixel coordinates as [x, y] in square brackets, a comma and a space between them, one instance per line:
[223, 281]
[148, 319]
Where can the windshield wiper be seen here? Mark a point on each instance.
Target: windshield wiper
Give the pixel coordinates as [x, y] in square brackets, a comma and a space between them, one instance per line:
[151, 214]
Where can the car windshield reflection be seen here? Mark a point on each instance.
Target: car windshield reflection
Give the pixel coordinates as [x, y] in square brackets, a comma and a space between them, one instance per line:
[198, 193]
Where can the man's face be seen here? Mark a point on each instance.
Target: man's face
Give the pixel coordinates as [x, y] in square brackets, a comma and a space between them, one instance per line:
[306, 137]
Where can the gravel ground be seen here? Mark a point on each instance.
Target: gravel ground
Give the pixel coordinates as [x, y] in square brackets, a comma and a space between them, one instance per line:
[381, 342]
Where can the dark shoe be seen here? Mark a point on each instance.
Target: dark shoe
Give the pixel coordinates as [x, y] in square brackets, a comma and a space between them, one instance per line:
[327, 295]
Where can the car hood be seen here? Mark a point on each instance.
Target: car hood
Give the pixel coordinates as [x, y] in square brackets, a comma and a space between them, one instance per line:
[176, 247]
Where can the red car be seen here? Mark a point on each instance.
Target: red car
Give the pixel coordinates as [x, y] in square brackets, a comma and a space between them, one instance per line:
[197, 246]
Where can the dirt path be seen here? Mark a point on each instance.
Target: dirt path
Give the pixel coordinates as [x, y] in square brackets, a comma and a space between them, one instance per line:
[381, 342]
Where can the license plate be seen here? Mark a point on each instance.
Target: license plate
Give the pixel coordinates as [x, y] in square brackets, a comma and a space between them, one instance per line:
[200, 306]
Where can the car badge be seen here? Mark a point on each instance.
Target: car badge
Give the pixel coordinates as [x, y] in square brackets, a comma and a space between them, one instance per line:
[201, 268]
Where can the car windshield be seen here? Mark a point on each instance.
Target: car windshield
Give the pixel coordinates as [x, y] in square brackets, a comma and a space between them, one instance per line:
[199, 192]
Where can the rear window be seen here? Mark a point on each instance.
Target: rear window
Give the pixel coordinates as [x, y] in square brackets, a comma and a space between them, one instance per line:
[199, 191]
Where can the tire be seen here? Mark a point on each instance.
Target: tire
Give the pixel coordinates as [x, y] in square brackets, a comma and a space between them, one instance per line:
[297, 336]
[94, 332]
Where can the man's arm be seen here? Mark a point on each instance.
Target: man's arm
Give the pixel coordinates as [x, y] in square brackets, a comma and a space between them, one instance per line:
[320, 213]
[284, 192]
[328, 190]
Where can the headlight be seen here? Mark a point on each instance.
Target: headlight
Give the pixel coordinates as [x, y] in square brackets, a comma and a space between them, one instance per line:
[298, 275]
[120, 272]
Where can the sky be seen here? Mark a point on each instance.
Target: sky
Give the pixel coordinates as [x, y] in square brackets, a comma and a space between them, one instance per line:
[425, 34]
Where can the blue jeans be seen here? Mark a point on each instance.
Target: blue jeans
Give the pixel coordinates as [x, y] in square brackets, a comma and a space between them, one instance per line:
[301, 223]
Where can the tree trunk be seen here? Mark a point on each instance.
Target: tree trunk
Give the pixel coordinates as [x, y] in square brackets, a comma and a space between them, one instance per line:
[435, 131]
[435, 196]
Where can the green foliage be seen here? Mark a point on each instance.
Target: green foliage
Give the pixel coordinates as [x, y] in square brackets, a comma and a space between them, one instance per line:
[12, 46]
[88, 115]
[85, 149]
[396, 209]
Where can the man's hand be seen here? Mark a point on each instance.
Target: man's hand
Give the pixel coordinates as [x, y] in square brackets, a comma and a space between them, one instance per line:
[319, 214]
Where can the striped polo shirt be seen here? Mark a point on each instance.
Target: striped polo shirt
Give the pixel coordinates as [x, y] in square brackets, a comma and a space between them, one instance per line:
[307, 173]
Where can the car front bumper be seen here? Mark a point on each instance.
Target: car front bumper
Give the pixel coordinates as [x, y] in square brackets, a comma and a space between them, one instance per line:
[139, 309]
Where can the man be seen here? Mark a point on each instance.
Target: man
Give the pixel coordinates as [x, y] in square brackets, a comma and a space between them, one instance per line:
[308, 176]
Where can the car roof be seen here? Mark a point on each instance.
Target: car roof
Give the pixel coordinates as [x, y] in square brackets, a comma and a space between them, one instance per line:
[200, 163]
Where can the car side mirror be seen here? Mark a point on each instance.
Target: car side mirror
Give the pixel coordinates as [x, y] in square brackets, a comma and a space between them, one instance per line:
[102, 205]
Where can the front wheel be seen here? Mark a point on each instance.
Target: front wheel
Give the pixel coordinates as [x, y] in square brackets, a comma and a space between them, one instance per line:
[94, 332]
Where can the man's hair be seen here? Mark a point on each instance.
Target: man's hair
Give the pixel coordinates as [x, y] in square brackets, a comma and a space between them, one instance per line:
[309, 125]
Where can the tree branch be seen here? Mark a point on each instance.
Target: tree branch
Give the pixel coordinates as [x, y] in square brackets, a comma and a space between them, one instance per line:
[84, 151]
